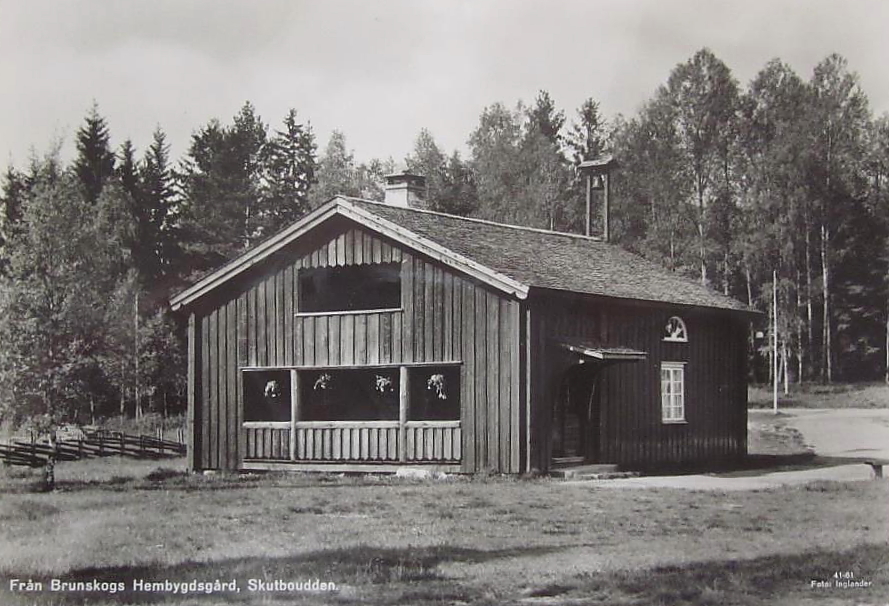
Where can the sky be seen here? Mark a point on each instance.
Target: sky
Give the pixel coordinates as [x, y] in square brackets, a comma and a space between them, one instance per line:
[381, 70]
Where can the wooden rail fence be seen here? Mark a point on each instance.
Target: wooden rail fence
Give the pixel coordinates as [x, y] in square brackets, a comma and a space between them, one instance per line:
[35, 453]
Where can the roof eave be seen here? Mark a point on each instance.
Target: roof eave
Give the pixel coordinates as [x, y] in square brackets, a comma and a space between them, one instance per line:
[747, 311]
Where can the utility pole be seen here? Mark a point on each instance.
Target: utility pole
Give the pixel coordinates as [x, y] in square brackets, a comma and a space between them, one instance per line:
[775, 340]
[138, 411]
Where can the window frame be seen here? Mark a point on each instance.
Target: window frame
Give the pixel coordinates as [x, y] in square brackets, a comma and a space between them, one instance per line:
[668, 405]
[250, 407]
[680, 339]
[301, 275]
[419, 383]
[388, 398]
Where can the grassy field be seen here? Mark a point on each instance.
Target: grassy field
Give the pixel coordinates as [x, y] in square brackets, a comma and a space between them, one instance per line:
[459, 541]
[815, 395]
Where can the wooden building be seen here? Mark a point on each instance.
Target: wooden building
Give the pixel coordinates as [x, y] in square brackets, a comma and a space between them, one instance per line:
[370, 336]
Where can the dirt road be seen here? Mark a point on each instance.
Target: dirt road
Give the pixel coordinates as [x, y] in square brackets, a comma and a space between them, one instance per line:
[853, 432]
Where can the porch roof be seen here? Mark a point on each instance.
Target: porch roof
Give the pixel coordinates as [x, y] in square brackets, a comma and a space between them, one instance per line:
[599, 352]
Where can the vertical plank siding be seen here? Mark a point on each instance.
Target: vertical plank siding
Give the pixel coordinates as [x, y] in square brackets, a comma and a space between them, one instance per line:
[444, 317]
[631, 430]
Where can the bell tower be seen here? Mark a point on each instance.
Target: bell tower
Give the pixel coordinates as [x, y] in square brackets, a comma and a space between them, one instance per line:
[598, 181]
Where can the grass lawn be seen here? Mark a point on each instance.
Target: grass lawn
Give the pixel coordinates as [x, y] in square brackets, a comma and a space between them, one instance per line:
[459, 541]
[816, 395]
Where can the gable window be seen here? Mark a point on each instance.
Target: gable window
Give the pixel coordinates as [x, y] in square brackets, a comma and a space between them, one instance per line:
[350, 288]
[675, 330]
[673, 392]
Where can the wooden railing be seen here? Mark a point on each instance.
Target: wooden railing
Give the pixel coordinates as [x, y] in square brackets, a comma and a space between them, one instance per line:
[347, 441]
[355, 441]
[267, 440]
[433, 441]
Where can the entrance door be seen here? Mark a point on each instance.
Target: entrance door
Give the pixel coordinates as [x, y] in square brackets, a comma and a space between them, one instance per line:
[576, 415]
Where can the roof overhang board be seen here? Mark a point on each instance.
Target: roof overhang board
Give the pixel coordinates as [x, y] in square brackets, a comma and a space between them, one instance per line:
[605, 353]
[339, 206]
[651, 303]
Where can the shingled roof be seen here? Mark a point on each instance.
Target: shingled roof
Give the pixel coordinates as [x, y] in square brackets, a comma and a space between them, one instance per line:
[553, 260]
[513, 258]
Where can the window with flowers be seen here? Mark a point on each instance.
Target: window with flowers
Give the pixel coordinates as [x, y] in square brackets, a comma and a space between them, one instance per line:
[365, 394]
[267, 395]
[435, 393]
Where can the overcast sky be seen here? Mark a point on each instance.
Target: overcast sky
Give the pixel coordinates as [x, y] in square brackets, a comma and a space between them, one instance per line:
[381, 70]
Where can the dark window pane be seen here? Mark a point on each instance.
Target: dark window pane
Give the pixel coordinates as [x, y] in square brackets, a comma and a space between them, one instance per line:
[267, 395]
[350, 288]
[435, 393]
[349, 395]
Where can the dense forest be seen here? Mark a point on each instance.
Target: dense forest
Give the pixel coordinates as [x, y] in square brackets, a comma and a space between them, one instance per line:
[732, 186]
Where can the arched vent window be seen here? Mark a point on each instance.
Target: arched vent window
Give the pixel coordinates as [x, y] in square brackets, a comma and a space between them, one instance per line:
[675, 330]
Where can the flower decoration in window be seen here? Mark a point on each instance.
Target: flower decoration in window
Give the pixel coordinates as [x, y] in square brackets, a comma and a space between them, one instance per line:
[383, 384]
[675, 330]
[272, 389]
[322, 382]
[436, 383]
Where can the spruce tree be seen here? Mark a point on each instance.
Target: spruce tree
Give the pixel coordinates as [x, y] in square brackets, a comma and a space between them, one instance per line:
[158, 199]
[94, 164]
[12, 201]
[337, 173]
[290, 174]
[543, 118]
[221, 180]
[586, 140]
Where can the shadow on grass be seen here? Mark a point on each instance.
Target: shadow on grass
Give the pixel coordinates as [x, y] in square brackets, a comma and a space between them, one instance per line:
[167, 479]
[754, 464]
[753, 582]
[369, 575]
[387, 575]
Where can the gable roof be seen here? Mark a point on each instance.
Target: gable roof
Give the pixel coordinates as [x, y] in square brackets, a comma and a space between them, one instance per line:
[511, 258]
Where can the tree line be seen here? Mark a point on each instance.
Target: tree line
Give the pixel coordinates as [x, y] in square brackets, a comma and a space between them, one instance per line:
[728, 184]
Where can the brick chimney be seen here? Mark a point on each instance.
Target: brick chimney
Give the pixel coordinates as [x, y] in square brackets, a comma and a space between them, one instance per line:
[598, 181]
[405, 189]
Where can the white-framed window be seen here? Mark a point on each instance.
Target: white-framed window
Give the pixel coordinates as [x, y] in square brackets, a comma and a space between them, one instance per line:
[675, 330]
[673, 392]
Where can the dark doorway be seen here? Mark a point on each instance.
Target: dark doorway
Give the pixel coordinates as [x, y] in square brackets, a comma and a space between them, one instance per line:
[576, 415]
